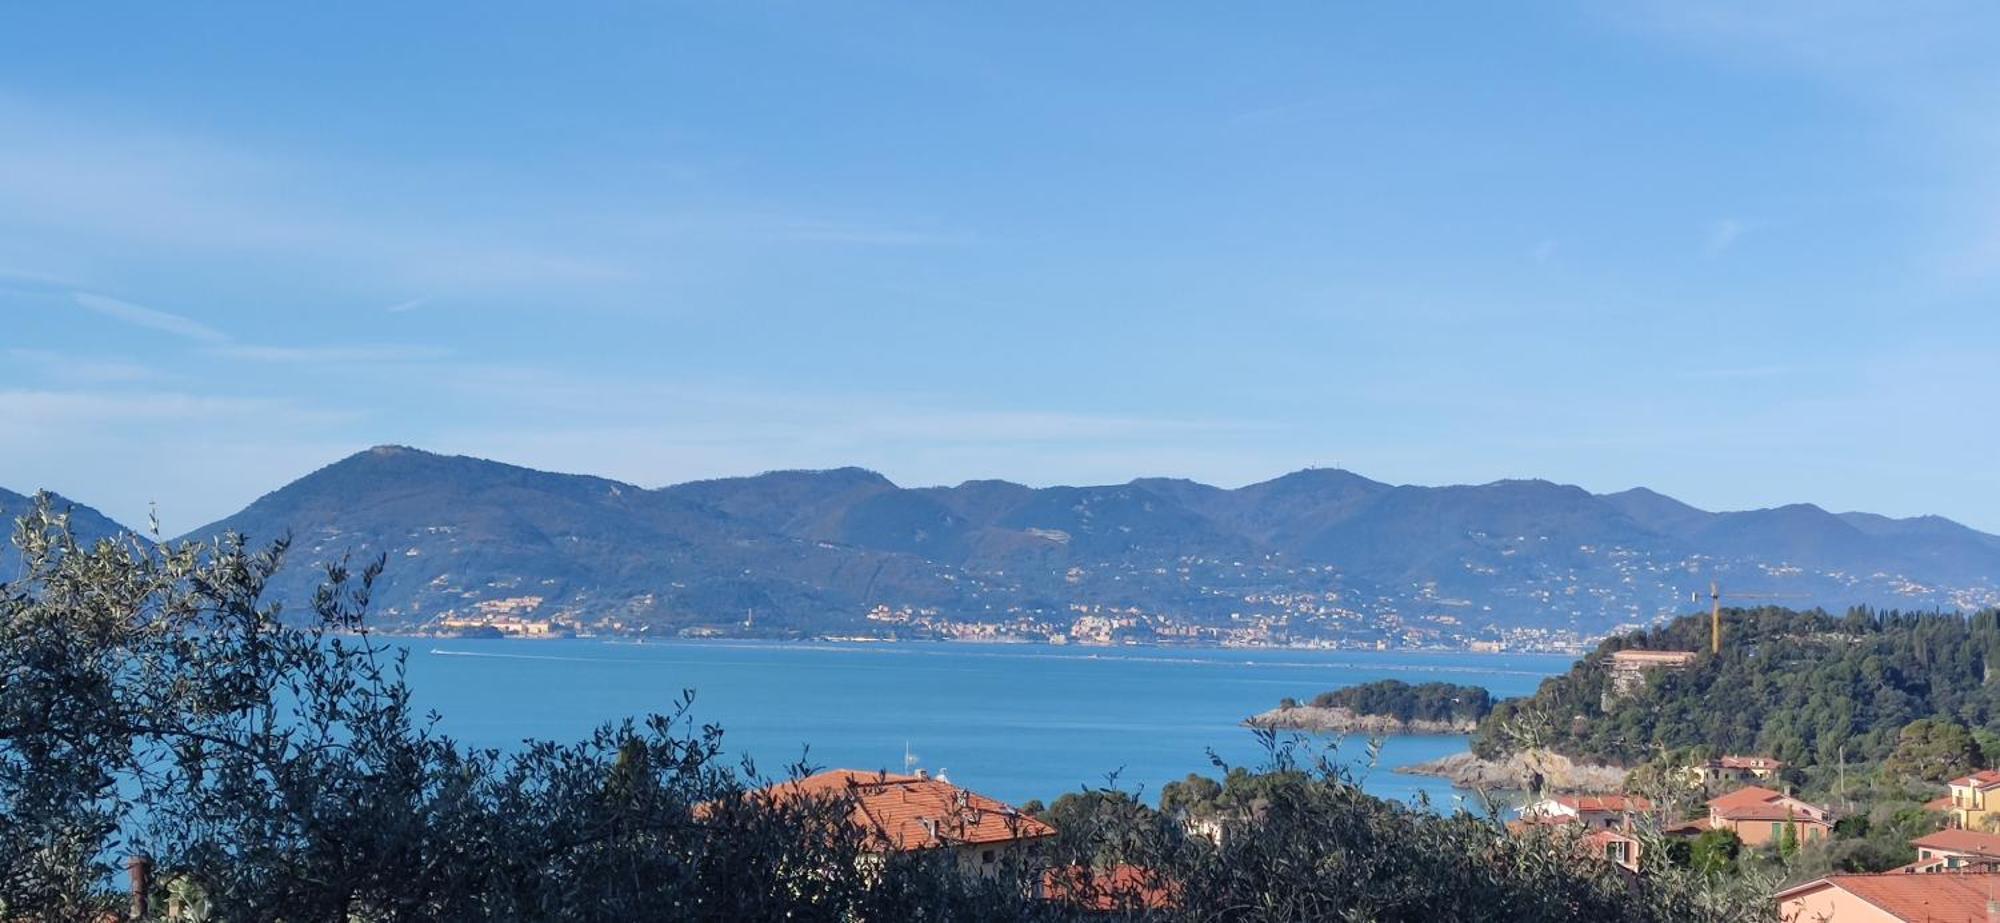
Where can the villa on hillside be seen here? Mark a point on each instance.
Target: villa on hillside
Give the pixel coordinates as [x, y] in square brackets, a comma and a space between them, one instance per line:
[1735, 770]
[910, 813]
[1891, 897]
[1759, 816]
[1972, 802]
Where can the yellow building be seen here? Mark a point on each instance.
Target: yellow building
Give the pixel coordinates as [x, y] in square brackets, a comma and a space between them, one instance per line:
[1974, 805]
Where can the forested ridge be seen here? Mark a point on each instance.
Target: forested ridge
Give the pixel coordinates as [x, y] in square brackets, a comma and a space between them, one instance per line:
[1403, 701]
[1805, 687]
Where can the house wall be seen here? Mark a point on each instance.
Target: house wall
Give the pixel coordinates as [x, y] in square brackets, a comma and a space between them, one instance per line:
[1761, 833]
[986, 861]
[1831, 905]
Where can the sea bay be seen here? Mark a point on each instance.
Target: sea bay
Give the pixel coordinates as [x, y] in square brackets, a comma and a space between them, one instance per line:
[1013, 721]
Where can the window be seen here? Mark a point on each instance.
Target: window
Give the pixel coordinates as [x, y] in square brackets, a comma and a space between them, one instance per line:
[1777, 831]
[986, 857]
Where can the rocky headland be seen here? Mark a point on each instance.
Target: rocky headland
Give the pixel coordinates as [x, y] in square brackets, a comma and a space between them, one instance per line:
[1559, 773]
[1316, 719]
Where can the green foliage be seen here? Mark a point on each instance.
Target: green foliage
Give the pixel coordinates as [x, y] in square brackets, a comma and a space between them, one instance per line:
[1195, 795]
[1800, 686]
[1714, 851]
[1934, 750]
[1403, 701]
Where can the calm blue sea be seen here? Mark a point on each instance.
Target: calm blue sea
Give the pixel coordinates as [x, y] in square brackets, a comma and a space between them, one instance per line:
[1013, 721]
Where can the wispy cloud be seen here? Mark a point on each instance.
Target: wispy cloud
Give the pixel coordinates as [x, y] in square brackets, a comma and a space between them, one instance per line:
[1722, 234]
[82, 369]
[1912, 76]
[402, 307]
[106, 179]
[150, 318]
[88, 407]
[222, 345]
[1741, 372]
[379, 352]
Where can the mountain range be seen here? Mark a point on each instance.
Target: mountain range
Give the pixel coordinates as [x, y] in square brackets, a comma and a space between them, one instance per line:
[1319, 553]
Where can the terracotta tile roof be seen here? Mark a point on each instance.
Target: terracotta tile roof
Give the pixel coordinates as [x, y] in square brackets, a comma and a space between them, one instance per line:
[905, 813]
[1690, 828]
[1745, 796]
[1940, 803]
[1945, 897]
[1604, 804]
[1968, 842]
[1803, 815]
[1983, 779]
[1118, 888]
[1923, 866]
[1753, 803]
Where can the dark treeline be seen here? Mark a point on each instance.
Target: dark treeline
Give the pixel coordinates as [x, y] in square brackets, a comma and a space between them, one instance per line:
[1403, 701]
[152, 703]
[1805, 687]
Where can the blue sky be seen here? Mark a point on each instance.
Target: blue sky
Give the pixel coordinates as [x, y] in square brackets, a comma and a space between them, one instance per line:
[1746, 257]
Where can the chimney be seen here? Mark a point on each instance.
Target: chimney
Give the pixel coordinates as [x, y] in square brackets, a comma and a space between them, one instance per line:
[139, 869]
[924, 774]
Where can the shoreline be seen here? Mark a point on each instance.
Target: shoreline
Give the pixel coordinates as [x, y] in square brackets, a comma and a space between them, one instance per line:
[852, 641]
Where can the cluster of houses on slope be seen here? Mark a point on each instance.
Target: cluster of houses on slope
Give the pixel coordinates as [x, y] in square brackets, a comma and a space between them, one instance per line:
[1756, 815]
[1955, 878]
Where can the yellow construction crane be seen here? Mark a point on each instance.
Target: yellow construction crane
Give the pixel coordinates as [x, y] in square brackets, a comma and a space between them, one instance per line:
[1715, 610]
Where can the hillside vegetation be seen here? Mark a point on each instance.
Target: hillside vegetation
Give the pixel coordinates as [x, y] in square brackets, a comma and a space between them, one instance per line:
[1802, 686]
[1394, 698]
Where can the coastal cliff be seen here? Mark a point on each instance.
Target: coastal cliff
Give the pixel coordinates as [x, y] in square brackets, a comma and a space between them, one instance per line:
[1559, 773]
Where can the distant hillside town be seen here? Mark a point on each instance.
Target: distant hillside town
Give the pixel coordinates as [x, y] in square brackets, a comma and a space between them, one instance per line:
[1320, 557]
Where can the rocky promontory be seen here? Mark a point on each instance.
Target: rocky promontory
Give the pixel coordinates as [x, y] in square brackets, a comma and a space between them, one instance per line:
[1558, 773]
[1318, 719]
